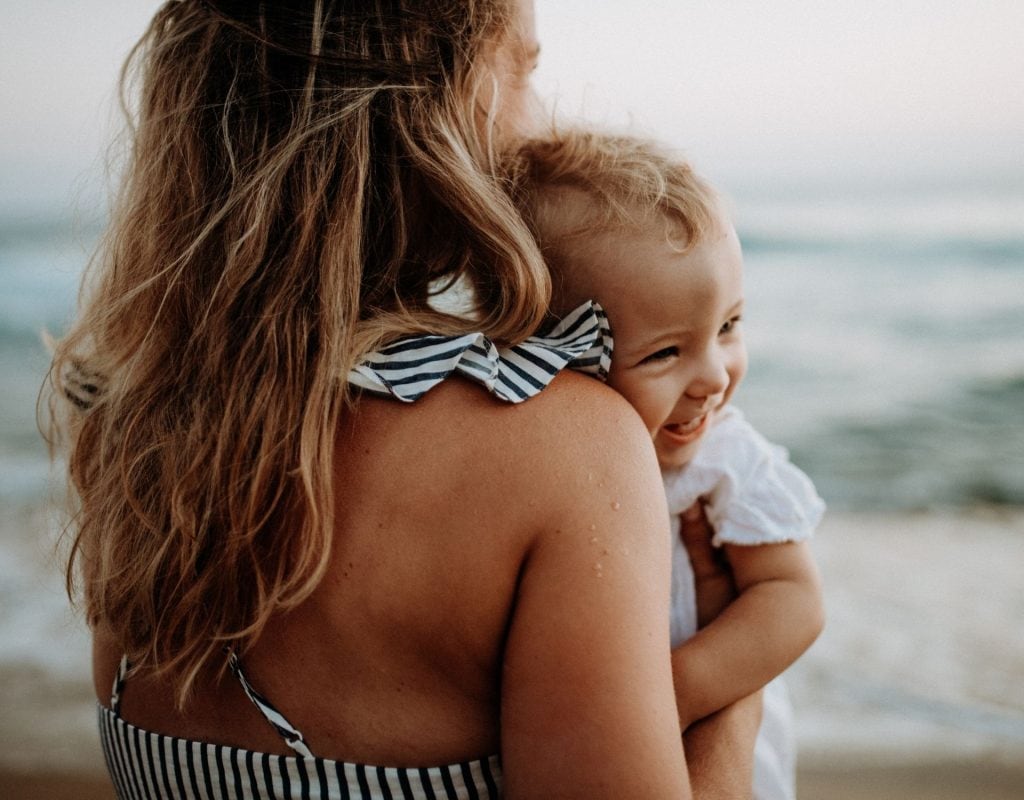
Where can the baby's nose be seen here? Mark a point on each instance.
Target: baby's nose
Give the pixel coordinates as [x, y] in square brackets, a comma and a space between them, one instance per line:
[711, 378]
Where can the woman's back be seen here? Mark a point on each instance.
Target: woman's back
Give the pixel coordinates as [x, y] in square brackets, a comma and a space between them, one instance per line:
[460, 515]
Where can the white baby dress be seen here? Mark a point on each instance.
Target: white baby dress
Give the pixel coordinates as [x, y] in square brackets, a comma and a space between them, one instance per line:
[753, 496]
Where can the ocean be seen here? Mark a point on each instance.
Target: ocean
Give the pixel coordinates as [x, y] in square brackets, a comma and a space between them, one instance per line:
[885, 336]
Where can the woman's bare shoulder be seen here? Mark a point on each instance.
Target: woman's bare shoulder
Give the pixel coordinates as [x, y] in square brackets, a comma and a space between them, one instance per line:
[573, 411]
[576, 420]
[570, 406]
[575, 446]
[574, 439]
[580, 429]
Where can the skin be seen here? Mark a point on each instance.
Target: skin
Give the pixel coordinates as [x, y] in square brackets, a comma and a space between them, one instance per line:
[679, 351]
[491, 630]
[676, 314]
[511, 100]
[489, 591]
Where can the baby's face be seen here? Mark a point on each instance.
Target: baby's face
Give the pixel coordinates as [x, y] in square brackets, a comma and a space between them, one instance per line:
[679, 352]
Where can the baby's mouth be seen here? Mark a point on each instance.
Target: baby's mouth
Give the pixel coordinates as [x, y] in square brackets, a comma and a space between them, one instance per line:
[685, 432]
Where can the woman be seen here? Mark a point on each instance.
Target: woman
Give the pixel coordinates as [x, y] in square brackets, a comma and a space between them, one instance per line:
[425, 585]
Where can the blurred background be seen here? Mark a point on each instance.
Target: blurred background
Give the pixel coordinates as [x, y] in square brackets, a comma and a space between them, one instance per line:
[873, 154]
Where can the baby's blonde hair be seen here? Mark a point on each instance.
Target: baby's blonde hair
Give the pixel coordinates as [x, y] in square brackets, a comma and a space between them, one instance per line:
[576, 184]
[302, 174]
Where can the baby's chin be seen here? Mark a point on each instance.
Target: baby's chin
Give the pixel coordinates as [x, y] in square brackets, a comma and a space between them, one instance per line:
[676, 460]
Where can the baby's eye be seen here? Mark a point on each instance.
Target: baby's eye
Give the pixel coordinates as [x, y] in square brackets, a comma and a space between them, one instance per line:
[730, 325]
[661, 355]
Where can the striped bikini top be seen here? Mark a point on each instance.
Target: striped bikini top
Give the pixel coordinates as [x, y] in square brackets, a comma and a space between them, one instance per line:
[409, 368]
[145, 765]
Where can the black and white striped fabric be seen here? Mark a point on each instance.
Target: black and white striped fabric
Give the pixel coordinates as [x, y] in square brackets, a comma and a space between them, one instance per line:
[409, 368]
[292, 736]
[146, 766]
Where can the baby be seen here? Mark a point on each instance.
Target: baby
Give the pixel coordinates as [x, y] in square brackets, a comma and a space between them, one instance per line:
[621, 222]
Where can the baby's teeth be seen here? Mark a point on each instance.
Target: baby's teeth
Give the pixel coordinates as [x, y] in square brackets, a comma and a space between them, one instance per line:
[690, 426]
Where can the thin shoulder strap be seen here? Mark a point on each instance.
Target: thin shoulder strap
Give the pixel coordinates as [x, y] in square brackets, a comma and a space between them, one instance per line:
[119, 678]
[291, 735]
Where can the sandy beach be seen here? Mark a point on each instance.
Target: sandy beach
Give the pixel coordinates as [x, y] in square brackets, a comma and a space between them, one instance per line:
[963, 780]
[927, 781]
[915, 690]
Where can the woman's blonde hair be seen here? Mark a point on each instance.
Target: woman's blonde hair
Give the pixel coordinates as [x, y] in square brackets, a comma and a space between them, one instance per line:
[575, 184]
[302, 176]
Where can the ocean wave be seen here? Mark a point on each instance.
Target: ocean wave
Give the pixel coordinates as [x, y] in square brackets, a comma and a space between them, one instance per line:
[962, 450]
[917, 218]
[907, 250]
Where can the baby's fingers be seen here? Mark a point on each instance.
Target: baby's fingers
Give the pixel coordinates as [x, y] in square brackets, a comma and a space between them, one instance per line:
[696, 534]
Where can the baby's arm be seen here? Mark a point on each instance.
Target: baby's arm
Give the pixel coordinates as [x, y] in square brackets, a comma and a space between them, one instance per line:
[775, 618]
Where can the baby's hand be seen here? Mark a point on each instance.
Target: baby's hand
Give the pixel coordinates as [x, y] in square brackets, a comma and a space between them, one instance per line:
[713, 582]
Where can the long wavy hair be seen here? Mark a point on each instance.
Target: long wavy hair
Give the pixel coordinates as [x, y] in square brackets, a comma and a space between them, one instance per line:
[301, 177]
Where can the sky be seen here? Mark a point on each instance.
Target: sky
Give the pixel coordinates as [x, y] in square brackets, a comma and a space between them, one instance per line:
[762, 94]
